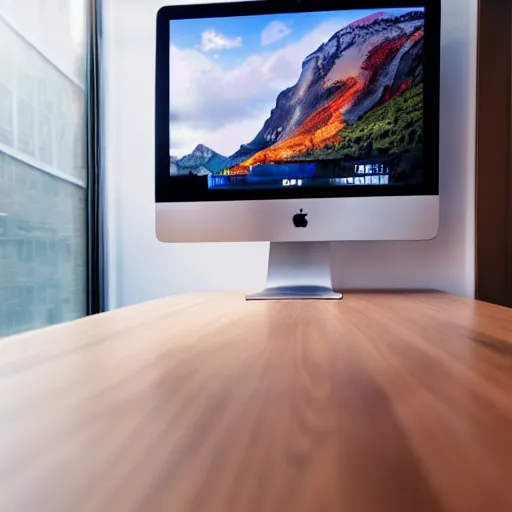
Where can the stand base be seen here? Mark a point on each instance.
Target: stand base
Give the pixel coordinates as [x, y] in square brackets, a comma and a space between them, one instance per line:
[298, 270]
[296, 292]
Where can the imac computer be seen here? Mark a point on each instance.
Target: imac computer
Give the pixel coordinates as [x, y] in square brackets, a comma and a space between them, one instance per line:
[298, 122]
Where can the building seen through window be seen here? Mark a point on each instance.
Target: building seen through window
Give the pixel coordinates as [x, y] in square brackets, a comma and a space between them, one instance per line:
[42, 163]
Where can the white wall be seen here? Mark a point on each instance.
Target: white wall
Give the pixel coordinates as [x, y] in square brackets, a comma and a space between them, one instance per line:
[141, 268]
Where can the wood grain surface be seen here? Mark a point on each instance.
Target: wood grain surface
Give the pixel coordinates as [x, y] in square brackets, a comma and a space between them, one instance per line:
[205, 403]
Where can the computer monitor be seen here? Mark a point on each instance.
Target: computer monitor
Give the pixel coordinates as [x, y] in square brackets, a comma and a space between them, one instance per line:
[299, 123]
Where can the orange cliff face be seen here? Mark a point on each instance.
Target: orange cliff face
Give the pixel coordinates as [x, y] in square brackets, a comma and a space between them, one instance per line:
[386, 52]
[321, 128]
[324, 126]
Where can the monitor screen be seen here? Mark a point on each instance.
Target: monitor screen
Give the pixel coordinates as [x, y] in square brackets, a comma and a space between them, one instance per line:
[320, 103]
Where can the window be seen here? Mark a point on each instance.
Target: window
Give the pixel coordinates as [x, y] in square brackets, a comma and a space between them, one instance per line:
[42, 163]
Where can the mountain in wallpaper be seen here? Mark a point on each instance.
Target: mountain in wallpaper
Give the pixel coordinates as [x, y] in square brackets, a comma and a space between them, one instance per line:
[359, 96]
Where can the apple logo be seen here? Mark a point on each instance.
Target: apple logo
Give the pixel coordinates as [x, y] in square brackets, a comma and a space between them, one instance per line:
[299, 219]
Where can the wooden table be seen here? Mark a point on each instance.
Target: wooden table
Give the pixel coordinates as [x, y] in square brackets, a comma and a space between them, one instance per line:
[205, 403]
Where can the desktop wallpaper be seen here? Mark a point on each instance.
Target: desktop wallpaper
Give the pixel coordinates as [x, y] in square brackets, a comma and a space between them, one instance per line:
[298, 100]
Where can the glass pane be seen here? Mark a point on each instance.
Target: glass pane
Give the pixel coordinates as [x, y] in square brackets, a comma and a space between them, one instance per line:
[42, 163]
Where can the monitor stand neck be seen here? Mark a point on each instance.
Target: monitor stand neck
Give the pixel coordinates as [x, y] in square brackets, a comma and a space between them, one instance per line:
[298, 270]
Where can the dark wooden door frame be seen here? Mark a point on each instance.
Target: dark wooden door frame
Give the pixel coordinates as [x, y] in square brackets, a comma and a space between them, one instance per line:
[493, 155]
